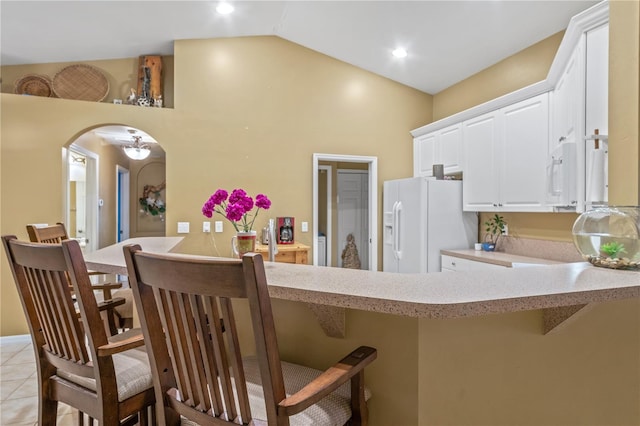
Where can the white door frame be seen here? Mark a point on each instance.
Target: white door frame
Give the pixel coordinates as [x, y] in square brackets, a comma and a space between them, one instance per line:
[372, 163]
[122, 202]
[329, 171]
[92, 188]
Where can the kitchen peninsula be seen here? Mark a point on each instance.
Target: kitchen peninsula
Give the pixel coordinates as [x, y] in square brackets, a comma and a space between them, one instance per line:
[468, 347]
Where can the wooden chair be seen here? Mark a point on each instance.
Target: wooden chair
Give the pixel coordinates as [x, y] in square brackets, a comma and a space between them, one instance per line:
[108, 378]
[199, 373]
[123, 315]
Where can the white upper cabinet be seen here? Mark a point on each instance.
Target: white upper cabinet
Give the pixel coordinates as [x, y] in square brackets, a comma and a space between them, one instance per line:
[565, 99]
[596, 150]
[440, 147]
[480, 185]
[505, 158]
[524, 155]
[534, 149]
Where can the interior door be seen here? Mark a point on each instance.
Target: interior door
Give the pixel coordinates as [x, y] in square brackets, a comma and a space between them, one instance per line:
[122, 202]
[353, 211]
[82, 197]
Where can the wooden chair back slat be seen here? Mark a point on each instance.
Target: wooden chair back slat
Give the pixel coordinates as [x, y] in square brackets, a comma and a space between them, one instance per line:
[53, 234]
[51, 298]
[236, 356]
[196, 347]
[199, 337]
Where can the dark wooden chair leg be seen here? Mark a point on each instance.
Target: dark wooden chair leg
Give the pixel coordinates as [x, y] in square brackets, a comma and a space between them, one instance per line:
[359, 411]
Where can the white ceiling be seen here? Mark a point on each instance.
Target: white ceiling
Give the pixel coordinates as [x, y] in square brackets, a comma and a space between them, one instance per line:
[447, 41]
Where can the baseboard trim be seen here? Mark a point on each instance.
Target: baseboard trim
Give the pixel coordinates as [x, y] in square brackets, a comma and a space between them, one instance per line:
[19, 338]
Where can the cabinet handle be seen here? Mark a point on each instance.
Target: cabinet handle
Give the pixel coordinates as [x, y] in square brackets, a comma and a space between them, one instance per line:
[495, 205]
[499, 204]
[562, 139]
[453, 263]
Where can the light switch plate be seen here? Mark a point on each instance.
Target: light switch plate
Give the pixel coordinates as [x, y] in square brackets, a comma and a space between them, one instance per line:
[206, 226]
[183, 227]
[218, 226]
[305, 226]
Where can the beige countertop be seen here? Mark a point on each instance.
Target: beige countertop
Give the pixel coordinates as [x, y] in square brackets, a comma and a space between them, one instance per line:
[110, 259]
[433, 295]
[452, 295]
[497, 257]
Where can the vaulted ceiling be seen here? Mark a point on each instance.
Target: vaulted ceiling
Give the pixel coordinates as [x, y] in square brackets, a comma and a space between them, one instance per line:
[447, 41]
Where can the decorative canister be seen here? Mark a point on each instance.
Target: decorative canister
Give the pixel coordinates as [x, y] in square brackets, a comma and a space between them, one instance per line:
[609, 237]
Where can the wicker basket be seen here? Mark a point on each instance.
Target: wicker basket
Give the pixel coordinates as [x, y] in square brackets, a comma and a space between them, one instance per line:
[34, 85]
[81, 82]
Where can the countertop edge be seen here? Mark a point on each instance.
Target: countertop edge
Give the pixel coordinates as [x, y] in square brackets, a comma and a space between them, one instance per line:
[497, 257]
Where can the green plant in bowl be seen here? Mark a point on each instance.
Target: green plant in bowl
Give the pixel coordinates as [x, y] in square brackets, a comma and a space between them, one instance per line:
[494, 228]
[613, 249]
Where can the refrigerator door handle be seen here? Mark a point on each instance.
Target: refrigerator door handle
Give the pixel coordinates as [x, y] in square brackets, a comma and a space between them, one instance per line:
[396, 226]
[394, 229]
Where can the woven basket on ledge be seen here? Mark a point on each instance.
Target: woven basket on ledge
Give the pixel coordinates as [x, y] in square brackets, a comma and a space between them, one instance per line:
[34, 85]
[81, 82]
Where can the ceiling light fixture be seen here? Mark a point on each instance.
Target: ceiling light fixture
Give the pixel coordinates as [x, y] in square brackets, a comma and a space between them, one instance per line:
[137, 151]
[399, 53]
[224, 8]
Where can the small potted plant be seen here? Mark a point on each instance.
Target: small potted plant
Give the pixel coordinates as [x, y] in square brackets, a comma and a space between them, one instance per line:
[495, 227]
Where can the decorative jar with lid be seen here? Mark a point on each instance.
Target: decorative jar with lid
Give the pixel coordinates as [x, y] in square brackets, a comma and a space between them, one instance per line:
[609, 237]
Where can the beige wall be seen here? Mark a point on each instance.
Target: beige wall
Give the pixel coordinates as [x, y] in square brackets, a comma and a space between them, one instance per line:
[526, 67]
[624, 103]
[232, 127]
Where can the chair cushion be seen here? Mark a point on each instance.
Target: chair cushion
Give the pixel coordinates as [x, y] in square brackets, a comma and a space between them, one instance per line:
[133, 373]
[334, 409]
[125, 310]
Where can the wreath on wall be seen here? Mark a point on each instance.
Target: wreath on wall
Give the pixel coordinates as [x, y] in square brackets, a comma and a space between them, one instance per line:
[151, 202]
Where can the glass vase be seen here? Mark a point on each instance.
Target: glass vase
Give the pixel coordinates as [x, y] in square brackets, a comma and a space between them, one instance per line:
[609, 237]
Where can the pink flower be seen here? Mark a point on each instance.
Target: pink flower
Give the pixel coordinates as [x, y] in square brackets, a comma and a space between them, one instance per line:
[237, 195]
[235, 212]
[219, 197]
[237, 208]
[262, 202]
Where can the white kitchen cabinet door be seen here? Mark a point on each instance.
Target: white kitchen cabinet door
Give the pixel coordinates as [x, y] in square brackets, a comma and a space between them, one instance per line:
[440, 147]
[450, 148]
[424, 154]
[480, 185]
[505, 154]
[566, 100]
[523, 154]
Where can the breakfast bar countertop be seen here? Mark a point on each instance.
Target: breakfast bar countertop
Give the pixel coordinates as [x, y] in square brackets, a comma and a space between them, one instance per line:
[432, 295]
[452, 295]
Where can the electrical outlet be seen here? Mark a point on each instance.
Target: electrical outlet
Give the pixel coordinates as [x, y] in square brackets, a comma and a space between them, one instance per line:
[506, 229]
[218, 226]
[305, 226]
[183, 227]
[206, 226]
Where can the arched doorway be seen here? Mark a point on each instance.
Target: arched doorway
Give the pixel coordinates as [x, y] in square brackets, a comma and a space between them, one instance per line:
[103, 188]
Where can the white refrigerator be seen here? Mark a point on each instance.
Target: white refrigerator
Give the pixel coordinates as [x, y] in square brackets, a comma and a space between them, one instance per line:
[421, 217]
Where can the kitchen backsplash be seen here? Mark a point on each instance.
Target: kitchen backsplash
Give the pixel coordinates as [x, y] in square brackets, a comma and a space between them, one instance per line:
[560, 251]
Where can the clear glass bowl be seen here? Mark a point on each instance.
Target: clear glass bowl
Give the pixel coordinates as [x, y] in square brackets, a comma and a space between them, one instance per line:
[609, 237]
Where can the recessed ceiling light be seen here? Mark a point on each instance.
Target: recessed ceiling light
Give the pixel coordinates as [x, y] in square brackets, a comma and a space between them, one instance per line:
[224, 8]
[399, 53]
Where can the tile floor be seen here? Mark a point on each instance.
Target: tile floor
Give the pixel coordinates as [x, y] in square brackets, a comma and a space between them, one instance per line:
[18, 385]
